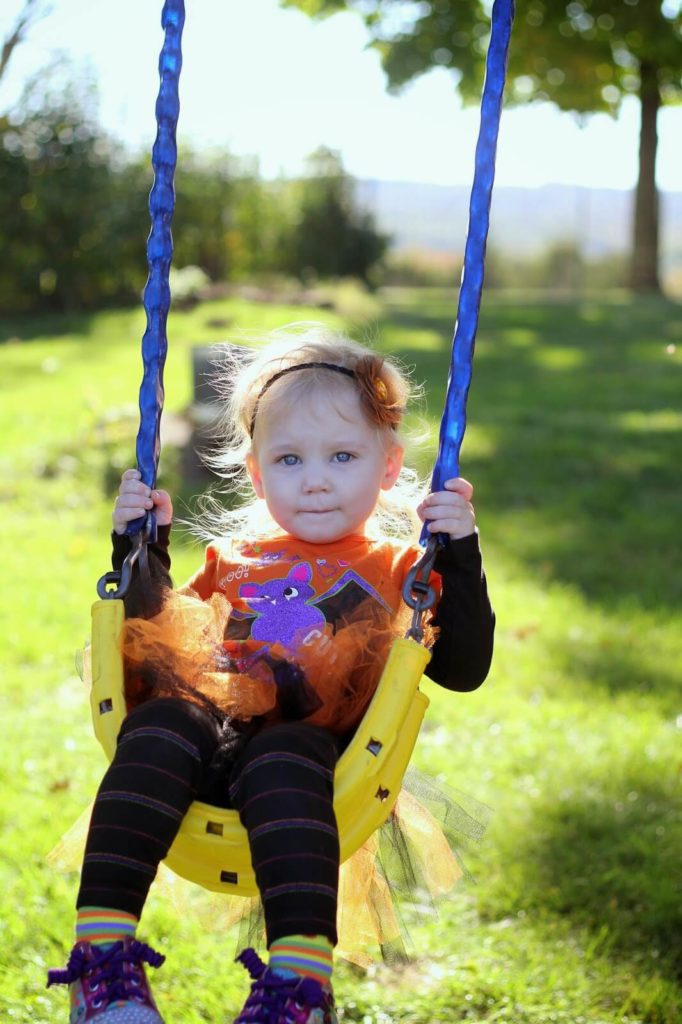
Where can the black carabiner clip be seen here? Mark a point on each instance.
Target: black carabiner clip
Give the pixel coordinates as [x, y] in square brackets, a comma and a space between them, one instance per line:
[418, 594]
[122, 580]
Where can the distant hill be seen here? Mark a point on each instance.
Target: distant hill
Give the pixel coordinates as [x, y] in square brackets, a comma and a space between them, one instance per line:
[435, 217]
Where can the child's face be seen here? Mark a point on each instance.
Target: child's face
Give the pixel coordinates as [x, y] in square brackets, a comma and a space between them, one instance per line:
[321, 466]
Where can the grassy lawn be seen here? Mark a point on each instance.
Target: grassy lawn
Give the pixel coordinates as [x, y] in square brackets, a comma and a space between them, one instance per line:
[575, 447]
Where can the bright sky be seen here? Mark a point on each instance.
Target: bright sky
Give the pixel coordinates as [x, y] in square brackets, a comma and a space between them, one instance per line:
[269, 82]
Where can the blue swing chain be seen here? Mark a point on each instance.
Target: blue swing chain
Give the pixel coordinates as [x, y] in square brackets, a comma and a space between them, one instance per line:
[453, 423]
[416, 591]
[159, 256]
[156, 293]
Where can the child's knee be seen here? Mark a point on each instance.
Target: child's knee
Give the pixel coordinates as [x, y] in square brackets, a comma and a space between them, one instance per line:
[171, 720]
[289, 754]
[298, 738]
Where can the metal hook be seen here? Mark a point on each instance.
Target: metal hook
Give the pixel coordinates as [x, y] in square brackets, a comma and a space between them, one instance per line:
[417, 592]
[122, 580]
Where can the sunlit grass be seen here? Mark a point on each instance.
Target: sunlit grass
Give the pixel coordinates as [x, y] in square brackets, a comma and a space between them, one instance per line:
[574, 448]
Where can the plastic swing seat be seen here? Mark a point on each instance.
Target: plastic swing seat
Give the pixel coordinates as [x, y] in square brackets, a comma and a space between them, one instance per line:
[212, 847]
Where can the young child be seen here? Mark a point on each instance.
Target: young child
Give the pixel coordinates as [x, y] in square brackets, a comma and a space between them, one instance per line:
[309, 595]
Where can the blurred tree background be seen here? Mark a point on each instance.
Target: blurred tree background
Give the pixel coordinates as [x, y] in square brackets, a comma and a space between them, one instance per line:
[73, 205]
[582, 55]
[73, 210]
[73, 201]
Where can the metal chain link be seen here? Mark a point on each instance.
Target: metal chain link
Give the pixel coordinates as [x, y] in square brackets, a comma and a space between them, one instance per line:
[418, 593]
[120, 581]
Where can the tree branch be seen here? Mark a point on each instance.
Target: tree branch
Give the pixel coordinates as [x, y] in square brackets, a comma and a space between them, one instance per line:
[32, 11]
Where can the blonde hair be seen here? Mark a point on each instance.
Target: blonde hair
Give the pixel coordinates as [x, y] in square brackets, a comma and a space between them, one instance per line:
[242, 379]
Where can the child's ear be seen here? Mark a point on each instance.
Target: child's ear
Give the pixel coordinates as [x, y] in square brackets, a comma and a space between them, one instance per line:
[394, 463]
[254, 474]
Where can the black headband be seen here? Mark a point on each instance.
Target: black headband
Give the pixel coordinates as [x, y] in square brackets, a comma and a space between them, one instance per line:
[292, 369]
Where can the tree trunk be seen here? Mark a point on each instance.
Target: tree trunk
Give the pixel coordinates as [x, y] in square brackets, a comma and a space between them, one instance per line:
[644, 267]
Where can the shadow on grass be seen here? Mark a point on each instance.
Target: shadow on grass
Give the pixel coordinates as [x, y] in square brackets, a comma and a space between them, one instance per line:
[44, 326]
[611, 865]
[618, 669]
[579, 409]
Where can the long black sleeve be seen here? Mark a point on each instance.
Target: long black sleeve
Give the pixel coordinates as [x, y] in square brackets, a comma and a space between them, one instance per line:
[144, 597]
[462, 653]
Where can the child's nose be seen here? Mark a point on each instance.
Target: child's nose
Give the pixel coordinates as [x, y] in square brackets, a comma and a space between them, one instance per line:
[315, 479]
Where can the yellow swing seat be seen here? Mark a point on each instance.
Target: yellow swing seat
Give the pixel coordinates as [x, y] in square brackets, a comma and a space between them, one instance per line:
[212, 847]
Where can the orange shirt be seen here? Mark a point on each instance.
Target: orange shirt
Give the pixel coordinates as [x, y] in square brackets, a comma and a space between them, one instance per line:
[285, 591]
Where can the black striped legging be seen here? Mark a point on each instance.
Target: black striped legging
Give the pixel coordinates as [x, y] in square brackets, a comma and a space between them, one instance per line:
[281, 782]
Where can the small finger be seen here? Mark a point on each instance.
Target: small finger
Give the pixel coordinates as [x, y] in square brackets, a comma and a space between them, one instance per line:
[445, 500]
[134, 496]
[449, 514]
[131, 508]
[443, 526]
[454, 528]
[135, 487]
[128, 501]
[460, 486]
[131, 513]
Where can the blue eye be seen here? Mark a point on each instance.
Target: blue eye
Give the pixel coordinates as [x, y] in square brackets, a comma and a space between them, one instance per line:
[343, 457]
[289, 460]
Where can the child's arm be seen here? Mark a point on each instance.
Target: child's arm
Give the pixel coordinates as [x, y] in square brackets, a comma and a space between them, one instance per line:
[134, 500]
[461, 655]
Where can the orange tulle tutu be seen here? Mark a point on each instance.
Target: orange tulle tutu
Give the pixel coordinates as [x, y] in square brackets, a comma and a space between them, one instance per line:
[329, 681]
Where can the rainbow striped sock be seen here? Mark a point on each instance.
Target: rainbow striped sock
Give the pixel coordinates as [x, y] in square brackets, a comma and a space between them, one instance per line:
[310, 956]
[100, 925]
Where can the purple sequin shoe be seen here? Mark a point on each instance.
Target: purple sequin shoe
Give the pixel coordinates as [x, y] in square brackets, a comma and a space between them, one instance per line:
[108, 983]
[282, 999]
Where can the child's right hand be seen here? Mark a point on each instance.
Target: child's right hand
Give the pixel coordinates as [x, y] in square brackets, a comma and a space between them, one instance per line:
[135, 499]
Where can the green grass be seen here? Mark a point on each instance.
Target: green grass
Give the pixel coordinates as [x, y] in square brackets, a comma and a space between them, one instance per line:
[574, 445]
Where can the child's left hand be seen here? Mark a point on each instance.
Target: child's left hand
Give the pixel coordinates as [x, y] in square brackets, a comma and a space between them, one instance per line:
[450, 511]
